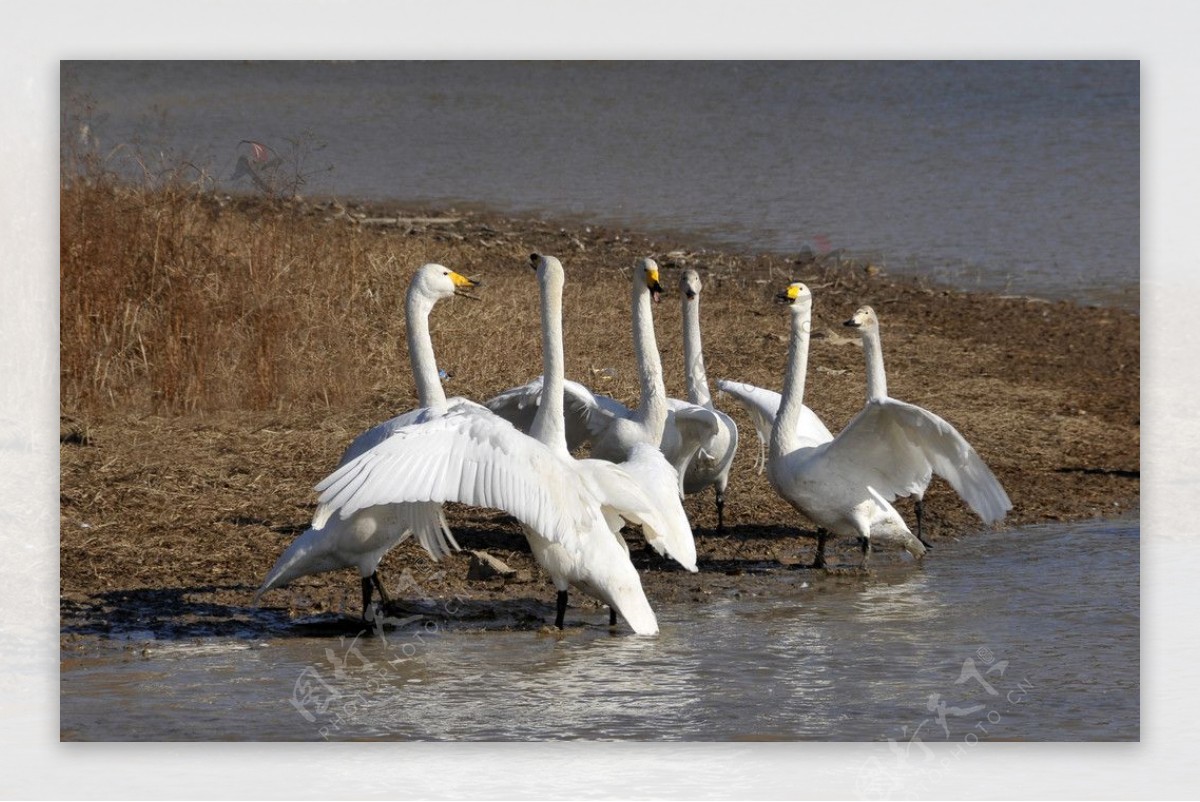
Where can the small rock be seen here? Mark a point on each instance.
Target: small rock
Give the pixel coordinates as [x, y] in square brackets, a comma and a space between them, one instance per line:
[485, 566]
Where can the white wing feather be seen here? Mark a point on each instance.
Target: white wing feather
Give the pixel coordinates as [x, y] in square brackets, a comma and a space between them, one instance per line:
[644, 489]
[690, 429]
[587, 415]
[762, 406]
[470, 456]
[426, 522]
[895, 447]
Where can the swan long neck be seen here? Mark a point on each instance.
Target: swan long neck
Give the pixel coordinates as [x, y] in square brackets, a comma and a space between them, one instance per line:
[549, 425]
[420, 351]
[787, 420]
[693, 353]
[652, 411]
[876, 377]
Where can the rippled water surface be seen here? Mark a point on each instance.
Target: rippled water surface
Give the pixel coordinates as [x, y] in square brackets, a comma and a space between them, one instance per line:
[1030, 634]
[1008, 176]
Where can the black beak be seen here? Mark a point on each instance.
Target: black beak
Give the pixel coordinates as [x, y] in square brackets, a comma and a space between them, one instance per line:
[851, 323]
[690, 293]
[783, 298]
[656, 292]
[463, 292]
[533, 260]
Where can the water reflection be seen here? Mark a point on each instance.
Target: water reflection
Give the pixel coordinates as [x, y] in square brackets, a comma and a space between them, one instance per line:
[1046, 616]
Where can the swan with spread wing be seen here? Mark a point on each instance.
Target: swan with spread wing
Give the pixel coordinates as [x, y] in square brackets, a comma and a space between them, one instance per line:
[952, 457]
[845, 485]
[571, 510]
[361, 541]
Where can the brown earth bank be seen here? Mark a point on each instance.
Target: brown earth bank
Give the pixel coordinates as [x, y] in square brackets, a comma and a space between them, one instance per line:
[171, 515]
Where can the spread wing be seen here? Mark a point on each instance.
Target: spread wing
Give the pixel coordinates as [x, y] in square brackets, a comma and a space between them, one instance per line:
[894, 447]
[587, 415]
[644, 490]
[693, 427]
[427, 522]
[762, 406]
[470, 456]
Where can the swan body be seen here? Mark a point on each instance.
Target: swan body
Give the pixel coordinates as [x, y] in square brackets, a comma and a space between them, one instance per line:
[362, 540]
[678, 430]
[921, 441]
[570, 510]
[471, 456]
[712, 461]
[832, 483]
[846, 484]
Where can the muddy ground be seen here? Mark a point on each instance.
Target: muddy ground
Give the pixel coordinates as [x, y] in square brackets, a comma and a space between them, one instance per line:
[170, 521]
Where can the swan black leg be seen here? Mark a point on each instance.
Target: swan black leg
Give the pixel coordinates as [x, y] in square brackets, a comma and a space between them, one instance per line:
[366, 599]
[562, 609]
[920, 507]
[720, 510]
[383, 597]
[612, 616]
[865, 544]
[819, 560]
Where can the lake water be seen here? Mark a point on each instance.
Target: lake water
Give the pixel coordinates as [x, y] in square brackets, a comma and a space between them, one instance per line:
[1029, 634]
[1015, 177]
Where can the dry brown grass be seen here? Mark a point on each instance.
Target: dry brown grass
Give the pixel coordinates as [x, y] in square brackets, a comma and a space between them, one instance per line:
[175, 301]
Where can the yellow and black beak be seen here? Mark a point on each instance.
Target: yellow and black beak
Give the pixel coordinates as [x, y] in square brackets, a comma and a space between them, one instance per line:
[462, 284]
[655, 288]
[788, 296]
[852, 323]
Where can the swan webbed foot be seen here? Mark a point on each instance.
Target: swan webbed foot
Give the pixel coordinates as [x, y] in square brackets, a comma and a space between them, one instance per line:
[561, 609]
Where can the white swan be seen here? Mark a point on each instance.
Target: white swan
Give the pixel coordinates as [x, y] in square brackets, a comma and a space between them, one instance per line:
[362, 540]
[665, 523]
[845, 485]
[570, 509]
[613, 429]
[988, 498]
[710, 467]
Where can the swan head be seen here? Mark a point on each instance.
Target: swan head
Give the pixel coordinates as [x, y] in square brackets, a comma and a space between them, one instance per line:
[549, 271]
[796, 294]
[864, 318]
[543, 264]
[689, 285]
[435, 282]
[646, 272]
